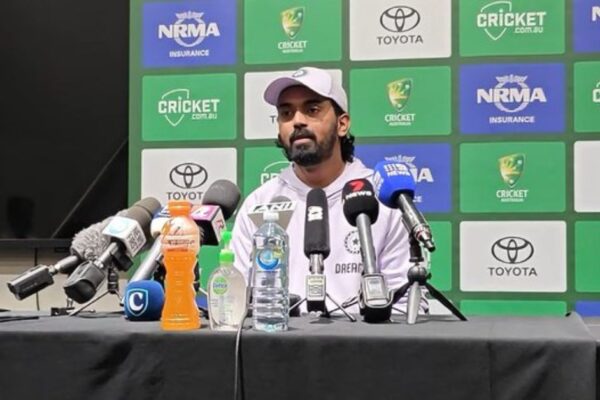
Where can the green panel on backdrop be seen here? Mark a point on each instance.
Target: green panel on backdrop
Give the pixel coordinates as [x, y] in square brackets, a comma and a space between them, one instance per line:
[284, 31]
[586, 94]
[401, 101]
[189, 107]
[260, 165]
[513, 307]
[492, 27]
[441, 258]
[587, 256]
[512, 177]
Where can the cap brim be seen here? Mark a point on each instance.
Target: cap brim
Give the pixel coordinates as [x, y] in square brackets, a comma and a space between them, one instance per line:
[275, 88]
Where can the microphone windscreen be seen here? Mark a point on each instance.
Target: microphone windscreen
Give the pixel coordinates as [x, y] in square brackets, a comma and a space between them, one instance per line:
[316, 227]
[141, 214]
[149, 204]
[359, 198]
[89, 243]
[391, 179]
[225, 194]
[144, 300]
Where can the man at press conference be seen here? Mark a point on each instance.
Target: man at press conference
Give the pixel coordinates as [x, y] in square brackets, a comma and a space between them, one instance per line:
[314, 134]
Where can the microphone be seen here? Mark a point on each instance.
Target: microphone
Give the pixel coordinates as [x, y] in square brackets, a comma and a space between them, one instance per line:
[316, 248]
[220, 201]
[280, 204]
[143, 301]
[153, 258]
[361, 209]
[395, 187]
[128, 235]
[87, 244]
[218, 205]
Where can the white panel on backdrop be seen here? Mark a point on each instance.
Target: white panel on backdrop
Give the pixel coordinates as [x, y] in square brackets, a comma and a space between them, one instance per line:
[513, 256]
[392, 29]
[259, 117]
[185, 174]
[587, 181]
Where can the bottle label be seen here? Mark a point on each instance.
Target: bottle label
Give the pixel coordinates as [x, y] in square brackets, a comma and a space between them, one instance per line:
[220, 286]
[268, 259]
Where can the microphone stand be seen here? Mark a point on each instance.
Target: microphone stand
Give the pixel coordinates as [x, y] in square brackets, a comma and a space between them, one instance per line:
[317, 292]
[112, 287]
[418, 276]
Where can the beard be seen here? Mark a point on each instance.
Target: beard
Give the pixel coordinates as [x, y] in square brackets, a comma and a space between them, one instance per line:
[311, 152]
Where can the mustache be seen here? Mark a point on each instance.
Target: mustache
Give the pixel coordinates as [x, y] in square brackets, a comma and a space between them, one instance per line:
[302, 133]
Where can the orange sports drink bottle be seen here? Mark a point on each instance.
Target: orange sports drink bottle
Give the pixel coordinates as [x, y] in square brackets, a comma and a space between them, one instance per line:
[180, 245]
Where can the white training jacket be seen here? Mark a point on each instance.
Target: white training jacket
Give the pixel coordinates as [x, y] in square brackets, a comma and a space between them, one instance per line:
[343, 267]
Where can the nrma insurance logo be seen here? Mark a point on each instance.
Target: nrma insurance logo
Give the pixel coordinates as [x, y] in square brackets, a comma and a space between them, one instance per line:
[191, 33]
[398, 93]
[429, 164]
[499, 18]
[586, 26]
[511, 169]
[292, 20]
[512, 98]
[178, 104]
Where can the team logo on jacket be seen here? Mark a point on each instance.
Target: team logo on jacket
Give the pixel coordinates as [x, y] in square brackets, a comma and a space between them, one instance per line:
[352, 242]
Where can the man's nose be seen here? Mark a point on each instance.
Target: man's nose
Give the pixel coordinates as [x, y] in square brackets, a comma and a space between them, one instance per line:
[299, 119]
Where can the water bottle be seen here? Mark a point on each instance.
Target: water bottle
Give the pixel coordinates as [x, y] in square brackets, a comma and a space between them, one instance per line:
[180, 245]
[226, 291]
[270, 283]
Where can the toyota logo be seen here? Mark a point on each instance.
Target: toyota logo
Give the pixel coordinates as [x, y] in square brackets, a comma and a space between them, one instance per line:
[400, 19]
[512, 250]
[188, 175]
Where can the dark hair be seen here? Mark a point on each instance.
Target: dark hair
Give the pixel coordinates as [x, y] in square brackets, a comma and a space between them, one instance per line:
[346, 142]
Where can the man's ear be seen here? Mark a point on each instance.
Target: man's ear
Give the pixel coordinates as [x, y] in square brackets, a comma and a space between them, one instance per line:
[343, 124]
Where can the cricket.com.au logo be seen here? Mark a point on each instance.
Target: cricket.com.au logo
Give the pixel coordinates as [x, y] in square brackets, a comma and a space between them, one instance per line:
[498, 19]
[596, 93]
[511, 169]
[399, 92]
[292, 20]
[511, 95]
[178, 104]
[400, 21]
[272, 170]
[189, 30]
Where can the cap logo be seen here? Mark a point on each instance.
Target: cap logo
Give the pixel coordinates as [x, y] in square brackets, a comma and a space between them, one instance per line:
[299, 73]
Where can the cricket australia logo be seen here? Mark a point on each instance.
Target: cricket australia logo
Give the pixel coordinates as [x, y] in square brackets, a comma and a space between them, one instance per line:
[291, 21]
[399, 93]
[511, 168]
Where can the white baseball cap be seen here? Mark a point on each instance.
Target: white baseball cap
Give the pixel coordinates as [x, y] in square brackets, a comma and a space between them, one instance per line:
[316, 79]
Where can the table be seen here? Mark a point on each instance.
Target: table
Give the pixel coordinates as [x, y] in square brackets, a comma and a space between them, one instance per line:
[107, 357]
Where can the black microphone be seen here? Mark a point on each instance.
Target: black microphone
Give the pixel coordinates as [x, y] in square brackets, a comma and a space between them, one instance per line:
[396, 188]
[128, 235]
[361, 209]
[316, 248]
[86, 245]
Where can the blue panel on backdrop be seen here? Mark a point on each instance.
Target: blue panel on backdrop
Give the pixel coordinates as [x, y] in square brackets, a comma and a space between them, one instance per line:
[501, 98]
[189, 33]
[588, 308]
[586, 26]
[431, 169]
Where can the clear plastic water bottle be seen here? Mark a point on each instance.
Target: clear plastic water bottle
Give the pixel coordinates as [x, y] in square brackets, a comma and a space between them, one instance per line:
[270, 282]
